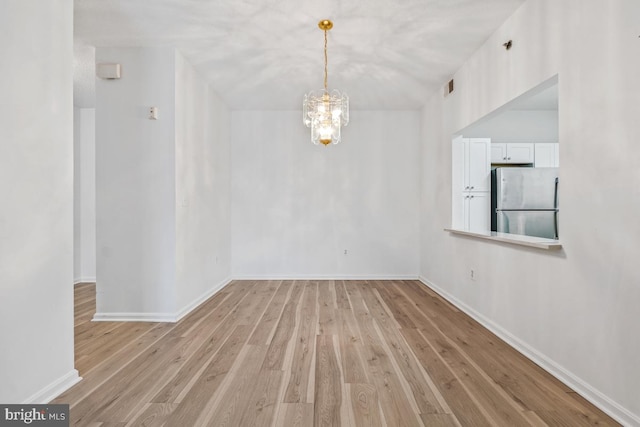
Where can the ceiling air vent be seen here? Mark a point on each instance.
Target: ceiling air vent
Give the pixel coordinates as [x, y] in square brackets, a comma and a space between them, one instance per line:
[448, 88]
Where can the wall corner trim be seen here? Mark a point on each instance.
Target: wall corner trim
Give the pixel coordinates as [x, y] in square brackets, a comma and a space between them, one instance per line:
[201, 299]
[326, 277]
[134, 317]
[605, 403]
[56, 388]
[161, 317]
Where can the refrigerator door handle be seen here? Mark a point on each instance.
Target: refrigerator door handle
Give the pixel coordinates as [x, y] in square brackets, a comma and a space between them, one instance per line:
[527, 210]
[555, 206]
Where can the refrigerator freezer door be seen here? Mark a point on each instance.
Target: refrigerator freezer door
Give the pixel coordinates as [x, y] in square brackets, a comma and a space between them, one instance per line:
[525, 188]
[529, 223]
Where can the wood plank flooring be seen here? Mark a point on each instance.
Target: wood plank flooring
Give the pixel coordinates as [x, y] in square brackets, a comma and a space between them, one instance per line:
[312, 353]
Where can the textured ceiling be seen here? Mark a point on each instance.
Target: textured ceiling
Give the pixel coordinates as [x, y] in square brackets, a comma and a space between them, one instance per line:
[265, 54]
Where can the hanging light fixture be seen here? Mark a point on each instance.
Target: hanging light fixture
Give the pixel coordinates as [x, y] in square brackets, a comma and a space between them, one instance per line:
[323, 111]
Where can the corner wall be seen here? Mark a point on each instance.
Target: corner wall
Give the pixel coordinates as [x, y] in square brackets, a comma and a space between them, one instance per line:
[297, 207]
[36, 184]
[163, 187]
[135, 186]
[84, 177]
[574, 312]
[203, 217]
[77, 209]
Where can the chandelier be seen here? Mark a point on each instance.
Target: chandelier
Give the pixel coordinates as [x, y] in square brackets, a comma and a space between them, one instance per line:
[323, 111]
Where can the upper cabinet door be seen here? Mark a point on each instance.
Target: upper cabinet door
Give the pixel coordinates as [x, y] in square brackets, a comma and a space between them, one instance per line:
[498, 152]
[512, 152]
[520, 152]
[546, 155]
[479, 166]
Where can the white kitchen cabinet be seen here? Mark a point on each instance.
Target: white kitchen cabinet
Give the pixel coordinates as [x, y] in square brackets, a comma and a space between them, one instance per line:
[471, 164]
[512, 152]
[476, 211]
[477, 171]
[546, 155]
[498, 152]
[471, 183]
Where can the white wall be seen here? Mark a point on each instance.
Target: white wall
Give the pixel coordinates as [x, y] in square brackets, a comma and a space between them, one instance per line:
[163, 187]
[77, 211]
[135, 184]
[575, 312]
[518, 126]
[36, 183]
[203, 222]
[296, 207]
[84, 178]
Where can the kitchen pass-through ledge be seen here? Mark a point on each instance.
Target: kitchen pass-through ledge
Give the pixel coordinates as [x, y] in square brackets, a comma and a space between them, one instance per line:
[514, 239]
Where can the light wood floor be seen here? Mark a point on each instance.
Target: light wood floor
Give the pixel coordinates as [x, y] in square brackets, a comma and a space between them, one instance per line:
[312, 353]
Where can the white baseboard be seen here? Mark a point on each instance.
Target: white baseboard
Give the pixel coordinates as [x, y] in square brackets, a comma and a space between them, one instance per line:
[195, 303]
[135, 317]
[606, 404]
[84, 279]
[161, 317]
[56, 388]
[327, 277]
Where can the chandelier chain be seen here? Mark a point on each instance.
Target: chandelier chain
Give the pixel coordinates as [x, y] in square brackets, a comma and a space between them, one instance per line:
[325, 59]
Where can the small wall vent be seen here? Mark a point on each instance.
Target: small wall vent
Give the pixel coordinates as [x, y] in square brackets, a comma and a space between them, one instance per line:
[108, 71]
[448, 88]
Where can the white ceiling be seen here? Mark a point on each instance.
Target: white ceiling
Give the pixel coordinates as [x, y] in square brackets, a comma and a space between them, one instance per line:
[265, 54]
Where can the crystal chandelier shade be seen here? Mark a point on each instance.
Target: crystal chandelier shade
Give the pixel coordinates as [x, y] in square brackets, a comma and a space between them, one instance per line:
[323, 111]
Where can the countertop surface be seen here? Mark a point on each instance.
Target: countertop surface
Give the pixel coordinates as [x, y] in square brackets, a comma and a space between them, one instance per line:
[516, 239]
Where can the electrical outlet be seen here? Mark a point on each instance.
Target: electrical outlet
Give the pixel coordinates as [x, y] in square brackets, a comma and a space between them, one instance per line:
[472, 274]
[346, 252]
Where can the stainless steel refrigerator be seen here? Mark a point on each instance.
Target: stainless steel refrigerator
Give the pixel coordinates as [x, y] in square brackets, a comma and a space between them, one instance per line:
[524, 200]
